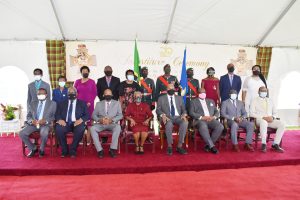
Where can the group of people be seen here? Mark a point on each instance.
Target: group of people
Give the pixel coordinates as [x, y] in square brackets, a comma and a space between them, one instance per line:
[72, 109]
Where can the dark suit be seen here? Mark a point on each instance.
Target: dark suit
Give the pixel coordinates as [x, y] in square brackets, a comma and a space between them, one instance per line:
[197, 112]
[225, 86]
[32, 92]
[81, 111]
[102, 85]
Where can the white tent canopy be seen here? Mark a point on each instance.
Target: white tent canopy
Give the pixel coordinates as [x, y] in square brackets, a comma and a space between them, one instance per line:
[241, 22]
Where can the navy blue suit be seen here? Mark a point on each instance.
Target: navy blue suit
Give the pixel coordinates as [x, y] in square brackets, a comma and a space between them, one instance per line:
[60, 96]
[225, 86]
[81, 111]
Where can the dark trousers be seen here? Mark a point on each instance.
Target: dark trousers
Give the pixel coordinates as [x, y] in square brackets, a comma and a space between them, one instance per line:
[77, 131]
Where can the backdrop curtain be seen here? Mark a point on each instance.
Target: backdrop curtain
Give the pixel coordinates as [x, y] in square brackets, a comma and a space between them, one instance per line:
[56, 54]
[263, 58]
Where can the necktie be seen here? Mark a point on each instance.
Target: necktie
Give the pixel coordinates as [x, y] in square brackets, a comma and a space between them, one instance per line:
[70, 113]
[172, 108]
[230, 78]
[39, 110]
[108, 81]
[107, 105]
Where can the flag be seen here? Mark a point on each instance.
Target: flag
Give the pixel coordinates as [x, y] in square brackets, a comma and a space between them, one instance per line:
[183, 79]
[136, 62]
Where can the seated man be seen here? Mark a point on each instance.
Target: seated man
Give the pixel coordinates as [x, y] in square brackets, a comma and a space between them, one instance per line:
[107, 114]
[263, 109]
[40, 116]
[171, 110]
[71, 116]
[205, 114]
[234, 111]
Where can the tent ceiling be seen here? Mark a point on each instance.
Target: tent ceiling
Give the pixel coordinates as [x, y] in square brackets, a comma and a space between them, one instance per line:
[242, 22]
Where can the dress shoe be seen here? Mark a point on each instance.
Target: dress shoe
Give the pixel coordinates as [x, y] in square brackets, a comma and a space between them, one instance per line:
[100, 154]
[249, 147]
[236, 148]
[214, 150]
[63, 155]
[112, 153]
[207, 148]
[181, 150]
[264, 148]
[32, 153]
[41, 154]
[277, 148]
[169, 151]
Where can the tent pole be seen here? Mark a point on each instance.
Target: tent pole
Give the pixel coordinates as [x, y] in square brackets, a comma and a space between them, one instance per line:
[57, 19]
[279, 18]
[171, 22]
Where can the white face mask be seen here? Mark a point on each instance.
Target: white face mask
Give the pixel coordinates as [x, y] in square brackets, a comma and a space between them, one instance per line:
[233, 96]
[37, 77]
[130, 77]
[263, 94]
[41, 97]
[61, 84]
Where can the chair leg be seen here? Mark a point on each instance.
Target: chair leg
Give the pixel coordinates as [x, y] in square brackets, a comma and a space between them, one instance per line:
[187, 139]
[161, 133]
[153, 145]
[23, 148]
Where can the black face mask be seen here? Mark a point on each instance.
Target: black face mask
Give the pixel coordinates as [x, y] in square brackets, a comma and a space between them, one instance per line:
[167, 71]
[72, 96]
[256, 72]
[108, 73]
[190, 75]
[144, 75]
[85, 75]
[231, 69]
[107, 97]
[171, 92]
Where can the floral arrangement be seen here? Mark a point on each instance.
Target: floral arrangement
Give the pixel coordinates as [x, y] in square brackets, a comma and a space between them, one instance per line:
[8, 112]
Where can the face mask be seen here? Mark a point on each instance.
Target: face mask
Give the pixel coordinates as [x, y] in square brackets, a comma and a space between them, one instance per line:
[171, 92]
[85, 75]
[41, 97]
[233, 96]
[231, 69]
[61, 83]
[210, 73]
[256, 72]
[107, 97]
[138, 100]
[144, 75]
[167, 70]
[108, 73]
[72, 96]
[263, 94]
[37, 77]
[190, 75]
[202, 95]
[130, 77]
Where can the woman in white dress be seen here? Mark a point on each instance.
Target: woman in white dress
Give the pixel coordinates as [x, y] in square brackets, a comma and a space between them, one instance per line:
[251, 86]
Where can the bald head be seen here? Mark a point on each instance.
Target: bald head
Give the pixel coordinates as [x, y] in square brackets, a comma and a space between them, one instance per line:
[107, 92]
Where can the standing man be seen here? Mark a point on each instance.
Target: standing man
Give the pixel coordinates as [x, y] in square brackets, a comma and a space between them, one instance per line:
[107, 115]
[34, 86]
[171, 110]
[163, 81]
[193, 87]
[108, 82]
[148, 88]
[40, 117]
[228, 82]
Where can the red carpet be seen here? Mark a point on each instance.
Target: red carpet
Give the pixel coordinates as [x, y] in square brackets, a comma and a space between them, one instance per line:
[14, 163]
[278, 183]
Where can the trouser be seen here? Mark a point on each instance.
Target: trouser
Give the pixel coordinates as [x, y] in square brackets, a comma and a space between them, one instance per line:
[234, 126]
[182, 129]
[276, 124]
[24, 135]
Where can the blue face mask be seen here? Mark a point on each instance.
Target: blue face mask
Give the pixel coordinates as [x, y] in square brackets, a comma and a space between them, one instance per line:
[263, 94]
[130, 77]
[138, 100]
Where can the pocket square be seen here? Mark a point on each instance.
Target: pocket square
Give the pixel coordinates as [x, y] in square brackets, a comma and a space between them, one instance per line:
[211, 104]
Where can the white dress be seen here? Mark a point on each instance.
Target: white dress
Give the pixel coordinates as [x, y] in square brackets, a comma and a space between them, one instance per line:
[251, 86]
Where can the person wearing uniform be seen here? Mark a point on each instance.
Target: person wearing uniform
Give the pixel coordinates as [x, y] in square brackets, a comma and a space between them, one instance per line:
[163, 81]
[193, 85]
[148, 88]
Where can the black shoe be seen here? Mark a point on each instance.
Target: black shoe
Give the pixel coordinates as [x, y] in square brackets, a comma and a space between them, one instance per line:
[214, 150]
[181, 150]
[101, 153]
[112, 153]
[264, 148]
[207, 148]
[32, 153]
[277, 148]
[64, 155]
[170, 151]
[41, 154]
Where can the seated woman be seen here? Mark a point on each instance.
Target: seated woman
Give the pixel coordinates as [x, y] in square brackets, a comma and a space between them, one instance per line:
[139, 116]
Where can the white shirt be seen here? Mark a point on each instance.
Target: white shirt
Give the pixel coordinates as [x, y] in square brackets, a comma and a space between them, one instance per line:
[73, 110]
[174, 103]
[251, 86]
[233, 102]
[204, 106]
[42, 111]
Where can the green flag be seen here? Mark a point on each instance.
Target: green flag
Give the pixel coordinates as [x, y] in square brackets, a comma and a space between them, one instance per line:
[136, 62]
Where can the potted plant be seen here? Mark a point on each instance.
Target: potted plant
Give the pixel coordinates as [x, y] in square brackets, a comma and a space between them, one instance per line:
[8, 112]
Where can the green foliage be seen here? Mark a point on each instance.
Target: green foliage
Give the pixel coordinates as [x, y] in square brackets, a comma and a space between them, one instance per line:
[9, 113]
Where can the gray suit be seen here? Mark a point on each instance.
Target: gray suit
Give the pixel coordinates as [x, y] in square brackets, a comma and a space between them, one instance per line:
[32, 92]
[115, 113]
[197, 112]
[231, 111]
[48, 115]
[163, 107]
